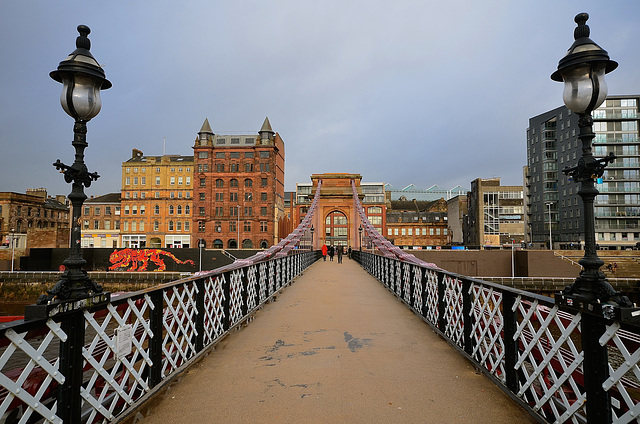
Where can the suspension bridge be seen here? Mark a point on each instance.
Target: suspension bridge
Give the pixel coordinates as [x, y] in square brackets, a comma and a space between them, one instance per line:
[404, 341]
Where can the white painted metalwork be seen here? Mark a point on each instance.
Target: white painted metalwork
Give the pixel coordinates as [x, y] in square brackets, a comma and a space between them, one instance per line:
[179, 326]
[214, 297]
[488, 324]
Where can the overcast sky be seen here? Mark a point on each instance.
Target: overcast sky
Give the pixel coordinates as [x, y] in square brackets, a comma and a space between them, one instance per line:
[423, 92]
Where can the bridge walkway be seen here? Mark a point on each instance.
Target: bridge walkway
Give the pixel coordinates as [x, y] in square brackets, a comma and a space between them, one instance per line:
[336, 347]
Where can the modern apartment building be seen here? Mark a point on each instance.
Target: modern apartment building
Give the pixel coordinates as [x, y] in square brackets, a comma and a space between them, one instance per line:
[554, 208]
[239, 188]
[495, 214]
[156, 201]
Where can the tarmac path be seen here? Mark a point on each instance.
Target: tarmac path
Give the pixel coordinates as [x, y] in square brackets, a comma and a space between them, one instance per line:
[336, 347]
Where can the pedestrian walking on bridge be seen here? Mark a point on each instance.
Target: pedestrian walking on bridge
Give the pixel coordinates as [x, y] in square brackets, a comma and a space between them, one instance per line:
[324, 252]
[340, 251]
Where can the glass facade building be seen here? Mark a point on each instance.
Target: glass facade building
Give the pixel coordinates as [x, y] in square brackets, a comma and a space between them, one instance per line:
[554, 209]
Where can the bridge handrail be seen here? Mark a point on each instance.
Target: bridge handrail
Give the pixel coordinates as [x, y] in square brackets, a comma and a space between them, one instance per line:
[522, 341]
[132, 346]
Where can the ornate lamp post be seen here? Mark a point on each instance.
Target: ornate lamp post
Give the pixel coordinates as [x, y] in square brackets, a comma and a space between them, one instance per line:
[360, 231]
[582, 69]
[82, 79]
[312, 230]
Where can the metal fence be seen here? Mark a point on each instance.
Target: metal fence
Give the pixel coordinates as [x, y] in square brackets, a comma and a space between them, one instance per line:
[98, 364]
[523, 341]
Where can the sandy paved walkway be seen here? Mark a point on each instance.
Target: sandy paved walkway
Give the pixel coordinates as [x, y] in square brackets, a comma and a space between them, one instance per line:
[336, 347]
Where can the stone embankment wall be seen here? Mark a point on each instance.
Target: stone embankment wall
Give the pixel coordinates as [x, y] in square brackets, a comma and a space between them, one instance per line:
[28, 286]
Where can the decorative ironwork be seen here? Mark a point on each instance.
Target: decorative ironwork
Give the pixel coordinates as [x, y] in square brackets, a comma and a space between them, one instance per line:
[529, 346]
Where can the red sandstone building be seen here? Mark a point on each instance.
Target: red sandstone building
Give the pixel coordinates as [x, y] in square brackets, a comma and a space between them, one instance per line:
[336, 221]
[238, 190]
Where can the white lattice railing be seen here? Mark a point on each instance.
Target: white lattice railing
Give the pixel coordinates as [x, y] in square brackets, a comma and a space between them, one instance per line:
[130, 345]
[523, 341]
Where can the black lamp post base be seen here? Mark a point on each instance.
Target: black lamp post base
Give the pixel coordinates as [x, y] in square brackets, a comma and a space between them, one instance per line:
[72, 286]
[59, 307]
[597, 290]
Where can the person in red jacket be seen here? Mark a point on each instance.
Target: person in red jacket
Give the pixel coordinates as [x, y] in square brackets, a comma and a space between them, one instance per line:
[324, 252]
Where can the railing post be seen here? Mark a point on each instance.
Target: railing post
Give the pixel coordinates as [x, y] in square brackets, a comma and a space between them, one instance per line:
[69, 400]
[226, 303]
[155, 344]
[442, 303]
[199, 341]
[510, 345]
[466, 316]
[596, 366]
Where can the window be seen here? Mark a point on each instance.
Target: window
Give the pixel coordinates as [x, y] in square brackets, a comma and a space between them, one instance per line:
[186, 226]
[219, 155]
[187, 181]
[263, 226]
[203, 182]
[219, 167]
[248, 154]
[219, 197]
[187, 210]
[107, 225]
[232, 226]
[107, 210]
[234, 155]
[203, 155]
[156, 210]
[87, 211]
[178, 225]
[201, 226]
[171, 209]
[217, 227]
[172, 180]
[179, 210]
[202, 196]
[233, 197]
[96, 224]
[248, 167]
[142, 209]
[96, 211]
[374, 209]
[233, 183]
[127, 181]
[157, 180]
[263, 182]
[233, 210]
[263, 197]
[410, 232]
[126, 210]
[135, 180]
[264, 154]
[248, 211]
[248, 197]
[85, 224]
[248, 182]
[263, 211]
[247, 226]
[170, 225]
[179, 180]
[233, 167]
[219, 183]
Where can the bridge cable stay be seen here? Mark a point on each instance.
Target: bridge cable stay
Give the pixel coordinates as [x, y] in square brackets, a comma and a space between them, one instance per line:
[286, 245]
[378, 242]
